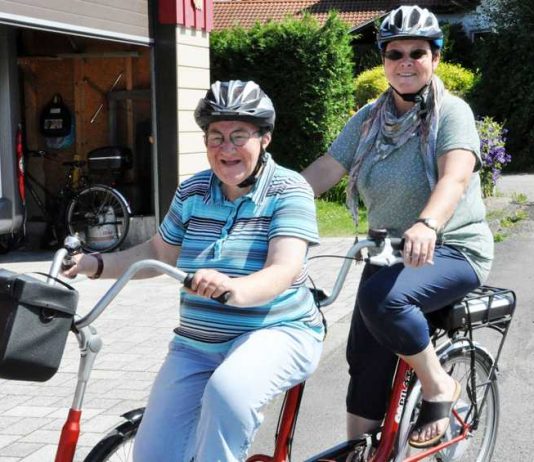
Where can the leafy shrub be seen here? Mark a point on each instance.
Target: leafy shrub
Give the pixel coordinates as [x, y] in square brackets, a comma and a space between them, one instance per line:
[493, 152]
[458, 47]
[506, 88]
[369, 84]
[457, 79]
[306, 69]
[337, 193]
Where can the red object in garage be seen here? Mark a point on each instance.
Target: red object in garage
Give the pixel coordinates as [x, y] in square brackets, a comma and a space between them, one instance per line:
[197, 14]
[20, 164]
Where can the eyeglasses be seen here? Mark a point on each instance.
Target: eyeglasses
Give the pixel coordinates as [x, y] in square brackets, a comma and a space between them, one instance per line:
[238, 138]
[395, 55]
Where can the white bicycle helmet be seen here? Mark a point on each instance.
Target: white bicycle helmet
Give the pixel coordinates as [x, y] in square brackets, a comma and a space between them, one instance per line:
[236, 100]
[410, 22]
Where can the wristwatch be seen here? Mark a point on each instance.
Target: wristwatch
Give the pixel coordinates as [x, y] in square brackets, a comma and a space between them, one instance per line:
[431, 223]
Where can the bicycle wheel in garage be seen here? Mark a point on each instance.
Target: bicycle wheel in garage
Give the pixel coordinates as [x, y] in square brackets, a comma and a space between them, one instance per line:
[100, 215]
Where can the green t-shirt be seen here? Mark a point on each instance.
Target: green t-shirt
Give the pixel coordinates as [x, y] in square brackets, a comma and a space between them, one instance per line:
[396, 189]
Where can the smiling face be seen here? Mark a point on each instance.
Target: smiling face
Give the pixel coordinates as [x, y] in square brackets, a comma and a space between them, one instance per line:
[412, 71]
[233, 164]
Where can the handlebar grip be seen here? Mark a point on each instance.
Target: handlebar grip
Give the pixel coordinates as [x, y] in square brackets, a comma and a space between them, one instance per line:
[397, 243]
[188, 280]
[223, 298]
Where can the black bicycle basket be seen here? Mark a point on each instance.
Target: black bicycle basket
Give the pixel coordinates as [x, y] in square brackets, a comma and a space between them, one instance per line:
[35, 319]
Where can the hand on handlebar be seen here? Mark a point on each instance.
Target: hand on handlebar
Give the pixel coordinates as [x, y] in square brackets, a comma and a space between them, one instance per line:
[211, 284]
[419, 244]
[78, 264]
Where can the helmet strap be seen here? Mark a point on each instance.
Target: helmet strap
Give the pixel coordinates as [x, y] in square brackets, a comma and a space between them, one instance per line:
[253, 177]
[417, 97]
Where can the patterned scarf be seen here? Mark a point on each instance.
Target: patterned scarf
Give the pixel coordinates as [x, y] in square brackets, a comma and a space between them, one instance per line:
[383, 132]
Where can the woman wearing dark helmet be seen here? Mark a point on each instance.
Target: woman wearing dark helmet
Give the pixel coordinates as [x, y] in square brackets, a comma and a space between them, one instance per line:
[242, 227]
[412, 156]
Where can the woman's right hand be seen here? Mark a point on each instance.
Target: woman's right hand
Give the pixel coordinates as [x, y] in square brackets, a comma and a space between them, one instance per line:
[79, 264]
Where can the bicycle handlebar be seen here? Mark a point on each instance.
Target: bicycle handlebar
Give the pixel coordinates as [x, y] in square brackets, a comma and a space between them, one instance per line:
[121, 282]
[72, 246]
[386, 257]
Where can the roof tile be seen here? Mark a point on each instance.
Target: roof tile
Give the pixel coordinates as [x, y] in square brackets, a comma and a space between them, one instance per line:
[246, 13]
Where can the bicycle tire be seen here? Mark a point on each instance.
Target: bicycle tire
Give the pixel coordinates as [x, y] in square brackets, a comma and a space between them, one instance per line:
[117, 446]
[480, 445]
[100, 215]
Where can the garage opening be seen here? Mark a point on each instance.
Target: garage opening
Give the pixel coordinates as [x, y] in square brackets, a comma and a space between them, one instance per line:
[102, 93]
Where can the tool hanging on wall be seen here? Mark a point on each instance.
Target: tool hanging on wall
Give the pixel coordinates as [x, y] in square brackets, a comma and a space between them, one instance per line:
[103, 93]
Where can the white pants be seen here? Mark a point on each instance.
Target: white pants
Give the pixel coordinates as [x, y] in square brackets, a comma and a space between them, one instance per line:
[206, 407]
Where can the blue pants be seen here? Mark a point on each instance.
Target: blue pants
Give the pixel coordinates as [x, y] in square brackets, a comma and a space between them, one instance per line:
[389, 319]
[206, 407]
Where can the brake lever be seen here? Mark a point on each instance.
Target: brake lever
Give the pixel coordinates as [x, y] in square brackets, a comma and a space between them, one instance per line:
[387, 257]
[223, 298]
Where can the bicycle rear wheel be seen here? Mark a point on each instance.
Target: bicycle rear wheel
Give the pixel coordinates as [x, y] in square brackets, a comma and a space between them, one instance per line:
[117, 446]
[479, 445]
[100, 216]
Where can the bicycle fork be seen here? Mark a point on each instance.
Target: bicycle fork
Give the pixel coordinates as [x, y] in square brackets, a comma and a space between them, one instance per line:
[90, 344]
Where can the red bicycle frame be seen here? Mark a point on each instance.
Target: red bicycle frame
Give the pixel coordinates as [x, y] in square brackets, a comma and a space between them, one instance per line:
[390, 429]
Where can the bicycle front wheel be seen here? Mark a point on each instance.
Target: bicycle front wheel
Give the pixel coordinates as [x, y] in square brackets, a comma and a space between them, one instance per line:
[100, 216]
[479, 445]
[117, 446]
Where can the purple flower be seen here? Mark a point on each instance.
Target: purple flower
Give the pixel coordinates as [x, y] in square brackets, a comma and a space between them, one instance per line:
[493, 152]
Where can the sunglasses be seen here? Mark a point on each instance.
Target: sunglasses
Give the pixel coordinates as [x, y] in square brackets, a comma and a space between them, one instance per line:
[395, 55]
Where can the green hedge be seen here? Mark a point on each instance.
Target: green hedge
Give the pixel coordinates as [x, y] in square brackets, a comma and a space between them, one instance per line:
[306, 69]
[369, 84]
[506, 90]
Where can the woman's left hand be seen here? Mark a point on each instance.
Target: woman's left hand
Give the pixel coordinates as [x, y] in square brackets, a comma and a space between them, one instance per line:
[211, 283]
[419, 244]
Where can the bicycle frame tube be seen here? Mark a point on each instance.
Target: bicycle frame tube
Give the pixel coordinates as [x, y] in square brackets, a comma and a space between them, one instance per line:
[433, 450]
[399, 393]
[403, 377]
[90, 344]
[69, 437]
[286, 428]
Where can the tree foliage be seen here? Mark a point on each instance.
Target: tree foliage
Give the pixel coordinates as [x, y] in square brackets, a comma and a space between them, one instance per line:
[305, 68]
[506, 63]
[369, 84]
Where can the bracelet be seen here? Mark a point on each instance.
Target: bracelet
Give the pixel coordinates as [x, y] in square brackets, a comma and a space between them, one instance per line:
[100, 267]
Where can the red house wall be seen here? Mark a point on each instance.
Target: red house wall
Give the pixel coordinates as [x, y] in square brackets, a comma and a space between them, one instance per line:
[185, 13]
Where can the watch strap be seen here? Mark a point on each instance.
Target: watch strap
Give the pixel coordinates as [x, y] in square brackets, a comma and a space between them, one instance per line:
[100, 266]
[429, 223]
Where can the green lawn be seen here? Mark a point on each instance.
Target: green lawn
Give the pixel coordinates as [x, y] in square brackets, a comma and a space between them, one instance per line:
[336, 221]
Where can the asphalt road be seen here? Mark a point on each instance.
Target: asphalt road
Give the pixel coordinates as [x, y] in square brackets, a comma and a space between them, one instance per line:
[321, 422]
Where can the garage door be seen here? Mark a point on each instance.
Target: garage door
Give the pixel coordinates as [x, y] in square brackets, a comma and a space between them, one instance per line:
[119, 20]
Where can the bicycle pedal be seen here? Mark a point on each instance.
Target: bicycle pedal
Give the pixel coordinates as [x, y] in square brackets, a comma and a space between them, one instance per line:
[362, 452]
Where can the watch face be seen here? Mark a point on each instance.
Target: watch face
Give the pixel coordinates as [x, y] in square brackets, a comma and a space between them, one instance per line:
[431, 223]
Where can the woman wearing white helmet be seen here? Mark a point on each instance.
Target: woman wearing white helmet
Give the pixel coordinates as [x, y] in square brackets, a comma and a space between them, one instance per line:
[243, 229]
[412, 156]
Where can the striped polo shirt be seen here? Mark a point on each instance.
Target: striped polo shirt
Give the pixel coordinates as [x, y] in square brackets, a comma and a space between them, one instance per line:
[233, 237]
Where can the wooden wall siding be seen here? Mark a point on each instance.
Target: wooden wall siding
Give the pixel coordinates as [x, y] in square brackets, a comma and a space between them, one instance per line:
[79, 81]
[193, 79]
[125, 18]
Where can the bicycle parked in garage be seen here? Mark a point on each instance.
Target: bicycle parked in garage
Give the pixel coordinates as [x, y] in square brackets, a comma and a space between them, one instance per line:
[97, 213]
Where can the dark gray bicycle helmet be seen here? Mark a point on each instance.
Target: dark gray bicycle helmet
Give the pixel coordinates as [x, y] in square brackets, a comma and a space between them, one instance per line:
[236, 100]
[410, 22]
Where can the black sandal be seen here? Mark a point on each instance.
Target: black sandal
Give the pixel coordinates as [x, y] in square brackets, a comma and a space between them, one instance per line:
[432, 411]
